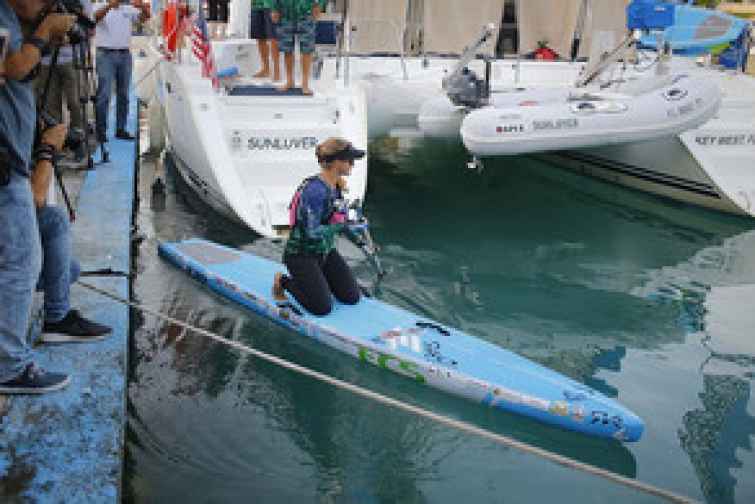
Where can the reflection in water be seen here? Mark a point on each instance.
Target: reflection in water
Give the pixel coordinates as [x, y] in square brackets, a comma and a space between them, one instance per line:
[590, 280]
[711, 434]
[716, 279]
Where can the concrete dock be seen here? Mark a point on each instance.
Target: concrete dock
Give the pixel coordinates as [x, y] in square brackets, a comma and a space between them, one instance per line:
[67, 446]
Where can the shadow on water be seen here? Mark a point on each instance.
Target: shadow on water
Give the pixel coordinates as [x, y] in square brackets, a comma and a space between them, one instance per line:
[567, 271]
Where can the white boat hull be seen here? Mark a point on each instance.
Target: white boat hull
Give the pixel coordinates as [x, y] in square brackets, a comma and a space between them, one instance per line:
[662, 167]
[712, 165]
[244, 155]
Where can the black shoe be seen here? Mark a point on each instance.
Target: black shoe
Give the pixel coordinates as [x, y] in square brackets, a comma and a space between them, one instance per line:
[124, 135]
[34, 381]
[73, 328]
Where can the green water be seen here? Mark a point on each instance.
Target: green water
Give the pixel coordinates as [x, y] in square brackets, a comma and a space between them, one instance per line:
[643, 299]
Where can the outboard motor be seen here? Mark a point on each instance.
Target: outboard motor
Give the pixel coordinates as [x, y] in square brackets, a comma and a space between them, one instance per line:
[465, 89]
[463, 86]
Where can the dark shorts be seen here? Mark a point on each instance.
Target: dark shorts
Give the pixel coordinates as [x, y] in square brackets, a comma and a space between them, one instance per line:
[304, 28]
[218, 10]
[262, 26]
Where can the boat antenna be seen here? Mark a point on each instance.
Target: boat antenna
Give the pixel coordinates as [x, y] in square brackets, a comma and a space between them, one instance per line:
[347, 40]
[517, 15]
[579, 30]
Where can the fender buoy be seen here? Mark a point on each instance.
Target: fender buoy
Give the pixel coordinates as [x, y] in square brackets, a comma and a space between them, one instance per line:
[170, 26]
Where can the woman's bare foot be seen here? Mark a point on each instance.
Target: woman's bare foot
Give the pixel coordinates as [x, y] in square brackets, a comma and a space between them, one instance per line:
[279, 293]
[262, 74]
[306, 91]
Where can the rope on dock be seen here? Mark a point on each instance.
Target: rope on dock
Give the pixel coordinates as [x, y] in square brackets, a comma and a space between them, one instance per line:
[389, 401]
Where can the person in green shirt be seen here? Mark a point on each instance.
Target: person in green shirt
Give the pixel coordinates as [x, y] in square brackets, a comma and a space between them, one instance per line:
[264, 31]
[297, 17]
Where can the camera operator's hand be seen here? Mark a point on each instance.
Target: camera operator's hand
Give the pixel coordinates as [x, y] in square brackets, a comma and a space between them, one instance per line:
[55, 136]
[54, 27]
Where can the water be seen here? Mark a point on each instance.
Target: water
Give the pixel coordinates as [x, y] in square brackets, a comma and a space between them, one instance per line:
[645, 300]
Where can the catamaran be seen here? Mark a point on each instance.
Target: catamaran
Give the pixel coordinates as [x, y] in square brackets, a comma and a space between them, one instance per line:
[241, 144]
[705, 160]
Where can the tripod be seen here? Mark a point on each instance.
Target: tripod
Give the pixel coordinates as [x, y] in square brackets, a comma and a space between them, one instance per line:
[47, 121]
[83, 72]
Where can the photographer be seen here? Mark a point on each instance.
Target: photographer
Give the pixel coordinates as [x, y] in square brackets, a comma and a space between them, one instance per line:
[114, 62]
[59, 269]
[63, 81]
[20, 253]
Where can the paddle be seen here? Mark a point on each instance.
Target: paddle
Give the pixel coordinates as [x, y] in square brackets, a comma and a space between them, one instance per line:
[358, 232]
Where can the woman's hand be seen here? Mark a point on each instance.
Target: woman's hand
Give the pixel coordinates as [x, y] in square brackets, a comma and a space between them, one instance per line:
[316, 11]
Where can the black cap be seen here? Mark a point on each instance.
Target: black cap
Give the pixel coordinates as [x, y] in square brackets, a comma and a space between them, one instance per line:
[348, 153]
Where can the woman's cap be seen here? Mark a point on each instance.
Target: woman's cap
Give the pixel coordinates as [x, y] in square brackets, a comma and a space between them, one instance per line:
[340, 149]
[350, 152]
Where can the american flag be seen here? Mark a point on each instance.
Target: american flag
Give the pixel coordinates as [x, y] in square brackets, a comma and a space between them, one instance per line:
[200, 44]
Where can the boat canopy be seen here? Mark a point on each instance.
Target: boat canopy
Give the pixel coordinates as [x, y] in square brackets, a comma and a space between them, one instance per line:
[606, 19]
[553, 23]
[379, 26]
[450, 25]
[559, 23]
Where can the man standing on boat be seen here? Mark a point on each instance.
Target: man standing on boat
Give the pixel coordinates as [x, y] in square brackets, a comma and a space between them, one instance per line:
[113, 40]
[263, 30]
[297, 17]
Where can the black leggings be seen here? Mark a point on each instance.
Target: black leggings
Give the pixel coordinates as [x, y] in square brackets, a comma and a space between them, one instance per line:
[312, 279]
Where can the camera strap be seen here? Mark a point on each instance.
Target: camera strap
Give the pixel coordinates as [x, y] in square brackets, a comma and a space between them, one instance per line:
[4, 166]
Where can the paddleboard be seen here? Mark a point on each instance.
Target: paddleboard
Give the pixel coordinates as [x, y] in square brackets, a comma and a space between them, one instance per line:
[430, 353]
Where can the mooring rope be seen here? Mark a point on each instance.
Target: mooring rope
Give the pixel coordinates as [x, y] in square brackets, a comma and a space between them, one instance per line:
[417, 410]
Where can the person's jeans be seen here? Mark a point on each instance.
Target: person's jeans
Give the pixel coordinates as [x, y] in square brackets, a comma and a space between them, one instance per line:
[59, 269]
[20, 258]
[112, 66]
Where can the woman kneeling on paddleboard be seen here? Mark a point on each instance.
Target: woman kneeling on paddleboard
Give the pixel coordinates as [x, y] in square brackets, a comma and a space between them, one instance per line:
[316, 216]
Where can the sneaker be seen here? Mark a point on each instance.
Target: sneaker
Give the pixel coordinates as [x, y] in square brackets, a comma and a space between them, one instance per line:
[124, 135]
[35, 380]
[73, 328]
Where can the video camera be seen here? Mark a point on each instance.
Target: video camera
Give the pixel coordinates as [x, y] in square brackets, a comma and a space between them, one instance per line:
[79, 32]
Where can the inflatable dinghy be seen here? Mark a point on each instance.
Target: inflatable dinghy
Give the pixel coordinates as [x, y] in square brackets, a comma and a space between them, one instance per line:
[591, 119]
